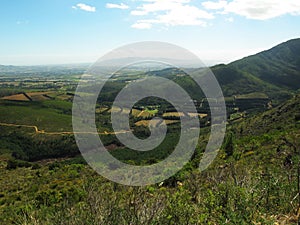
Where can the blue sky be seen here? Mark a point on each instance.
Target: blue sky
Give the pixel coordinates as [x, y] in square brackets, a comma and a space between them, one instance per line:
[72, 31]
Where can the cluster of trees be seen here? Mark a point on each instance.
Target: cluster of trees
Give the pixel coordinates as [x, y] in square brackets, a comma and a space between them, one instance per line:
[33, 148]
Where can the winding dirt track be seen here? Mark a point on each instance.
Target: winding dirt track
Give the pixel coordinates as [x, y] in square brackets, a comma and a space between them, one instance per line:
[141, 113]
[37, 131]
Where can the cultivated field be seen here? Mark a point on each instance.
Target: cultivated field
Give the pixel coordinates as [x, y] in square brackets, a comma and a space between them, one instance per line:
[154, 122]
[48, 117]
[18, 97]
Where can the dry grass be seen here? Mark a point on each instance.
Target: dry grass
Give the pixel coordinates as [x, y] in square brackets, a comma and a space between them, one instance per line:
[144, 114]
[115, 110]
[177, 114]
[154, 122]
[171, 121]
[126, 111]
[101, 110]
[18, 97]
[147, 122]
[201, 115]
[193, 114]
[144, 123]
[135, 112]
[35, 96]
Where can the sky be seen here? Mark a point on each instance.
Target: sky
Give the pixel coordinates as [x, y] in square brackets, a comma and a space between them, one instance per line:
[80, 31]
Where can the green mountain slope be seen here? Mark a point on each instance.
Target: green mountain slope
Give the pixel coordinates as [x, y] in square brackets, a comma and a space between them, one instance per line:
[275, 72]
[285, 117]
[236, 82]
[279, 66]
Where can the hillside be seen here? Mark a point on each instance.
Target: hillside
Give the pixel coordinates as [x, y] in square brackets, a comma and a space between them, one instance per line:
[256, 168]
[279, 66]
[284, 117]
[275, 72]
[237, 82]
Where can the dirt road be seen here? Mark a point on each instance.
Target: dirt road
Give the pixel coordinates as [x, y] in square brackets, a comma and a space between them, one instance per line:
[37, 131]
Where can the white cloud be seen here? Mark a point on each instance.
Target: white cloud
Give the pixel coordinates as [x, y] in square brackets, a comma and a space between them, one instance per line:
[138, 13]
[188, 13]
[117, 6]
[263, 9]
[170, 13]
[256, 9]
[85, 7]
[184, 15]
[214, 5]
[142, 25]
[158, 5]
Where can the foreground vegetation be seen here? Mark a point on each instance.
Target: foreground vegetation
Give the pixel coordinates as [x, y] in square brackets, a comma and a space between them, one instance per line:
[254, 180]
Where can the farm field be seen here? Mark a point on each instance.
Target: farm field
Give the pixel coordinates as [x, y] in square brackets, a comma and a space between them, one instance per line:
[101, 109]
[201, 115]
[135, 112]
[154, 122]
[18, 97]
[144, 113]
[39, 96]
[43, 116]
[171, 114]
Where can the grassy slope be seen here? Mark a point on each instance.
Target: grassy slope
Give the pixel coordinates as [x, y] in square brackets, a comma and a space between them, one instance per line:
[279, 66]
[253, 185]
[49, 115]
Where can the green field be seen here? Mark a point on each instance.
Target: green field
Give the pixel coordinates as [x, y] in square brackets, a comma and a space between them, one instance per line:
[49, 115]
